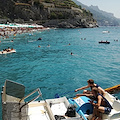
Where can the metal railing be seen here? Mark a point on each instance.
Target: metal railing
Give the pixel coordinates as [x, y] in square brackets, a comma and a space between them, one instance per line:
[39, 94]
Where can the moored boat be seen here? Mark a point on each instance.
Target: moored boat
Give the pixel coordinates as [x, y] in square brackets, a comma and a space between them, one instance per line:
[15, 106]
[105, 42]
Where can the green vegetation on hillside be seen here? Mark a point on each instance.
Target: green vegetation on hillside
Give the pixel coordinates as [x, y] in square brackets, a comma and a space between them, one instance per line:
[57, 4]
[59, 15]
[54, 13]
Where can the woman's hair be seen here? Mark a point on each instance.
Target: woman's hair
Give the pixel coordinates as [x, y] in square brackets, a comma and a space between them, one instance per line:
[95, 90]
[90, 81]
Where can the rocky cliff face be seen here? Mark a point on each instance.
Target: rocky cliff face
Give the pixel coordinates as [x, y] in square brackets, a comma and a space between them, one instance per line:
[57, 17]
[103, 18]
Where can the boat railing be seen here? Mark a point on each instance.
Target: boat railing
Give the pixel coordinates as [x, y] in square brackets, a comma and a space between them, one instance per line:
[26, 103]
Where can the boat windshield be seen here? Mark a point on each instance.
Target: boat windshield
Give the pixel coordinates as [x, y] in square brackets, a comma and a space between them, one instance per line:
[14, 89]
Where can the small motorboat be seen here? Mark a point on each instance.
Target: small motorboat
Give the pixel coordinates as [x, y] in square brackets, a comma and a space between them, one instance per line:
[105, 42]
[106, 31]
[7, 52]
[39, 38]
[15, 106]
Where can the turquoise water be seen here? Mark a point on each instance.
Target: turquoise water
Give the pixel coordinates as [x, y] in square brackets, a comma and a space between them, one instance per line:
[54, 69]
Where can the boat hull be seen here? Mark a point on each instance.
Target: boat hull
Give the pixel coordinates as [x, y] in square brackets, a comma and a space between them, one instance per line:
[5, 52]
[104, 42]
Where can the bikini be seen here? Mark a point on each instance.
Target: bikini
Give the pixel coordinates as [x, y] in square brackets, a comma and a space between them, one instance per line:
[94, 86]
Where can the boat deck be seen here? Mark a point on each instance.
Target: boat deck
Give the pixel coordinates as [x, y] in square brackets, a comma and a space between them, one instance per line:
[39, 111]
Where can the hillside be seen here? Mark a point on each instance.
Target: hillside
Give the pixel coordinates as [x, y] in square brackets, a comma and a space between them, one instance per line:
[50, 13]
[103, 18]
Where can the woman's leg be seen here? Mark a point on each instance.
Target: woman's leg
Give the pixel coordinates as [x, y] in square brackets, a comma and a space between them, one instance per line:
[101, 109]
[94, 116]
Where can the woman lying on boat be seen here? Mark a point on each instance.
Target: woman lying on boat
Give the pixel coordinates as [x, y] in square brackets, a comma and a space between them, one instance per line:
[88, 93]
[101, 106]
[7, 50]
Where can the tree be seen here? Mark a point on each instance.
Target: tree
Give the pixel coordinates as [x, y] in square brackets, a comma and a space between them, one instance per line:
[53, 15]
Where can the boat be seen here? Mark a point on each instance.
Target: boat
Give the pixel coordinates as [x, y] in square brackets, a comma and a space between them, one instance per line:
[39, 38]
[5, 52]
[105, 42]
[113, 89]
[16, 107]
[106, 31]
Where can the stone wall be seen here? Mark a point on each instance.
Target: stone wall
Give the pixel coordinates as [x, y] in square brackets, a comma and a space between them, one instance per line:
[48, 5]
[60, 10]
[76, 9]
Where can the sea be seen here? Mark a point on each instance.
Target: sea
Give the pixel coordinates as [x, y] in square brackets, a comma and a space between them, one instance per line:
[64, 60]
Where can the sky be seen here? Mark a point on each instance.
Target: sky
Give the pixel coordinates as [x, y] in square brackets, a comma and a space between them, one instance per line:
[112, 6]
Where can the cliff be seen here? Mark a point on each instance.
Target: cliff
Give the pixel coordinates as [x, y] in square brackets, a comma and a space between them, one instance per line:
[103, 18]
[50, 13]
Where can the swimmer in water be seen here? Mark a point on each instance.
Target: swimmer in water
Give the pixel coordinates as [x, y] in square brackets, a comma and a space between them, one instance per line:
[48, 46]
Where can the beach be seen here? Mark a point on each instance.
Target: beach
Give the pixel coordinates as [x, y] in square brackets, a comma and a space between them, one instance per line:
[7, 30]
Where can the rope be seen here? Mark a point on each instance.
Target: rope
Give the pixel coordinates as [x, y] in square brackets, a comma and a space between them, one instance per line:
[58, 95]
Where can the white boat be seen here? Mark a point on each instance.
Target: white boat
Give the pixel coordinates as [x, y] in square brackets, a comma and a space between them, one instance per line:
[5, 52]
[15, 106]
[105, 31]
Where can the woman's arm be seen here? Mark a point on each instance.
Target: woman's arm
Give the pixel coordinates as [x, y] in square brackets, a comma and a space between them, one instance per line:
[102, 91]
[82, 88]
[99, 100]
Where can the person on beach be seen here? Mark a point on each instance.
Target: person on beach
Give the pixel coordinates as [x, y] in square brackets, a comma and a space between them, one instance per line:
[88, 93]
[101, 106]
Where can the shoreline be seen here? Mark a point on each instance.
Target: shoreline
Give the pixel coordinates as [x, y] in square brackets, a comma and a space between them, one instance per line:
[7, 30]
